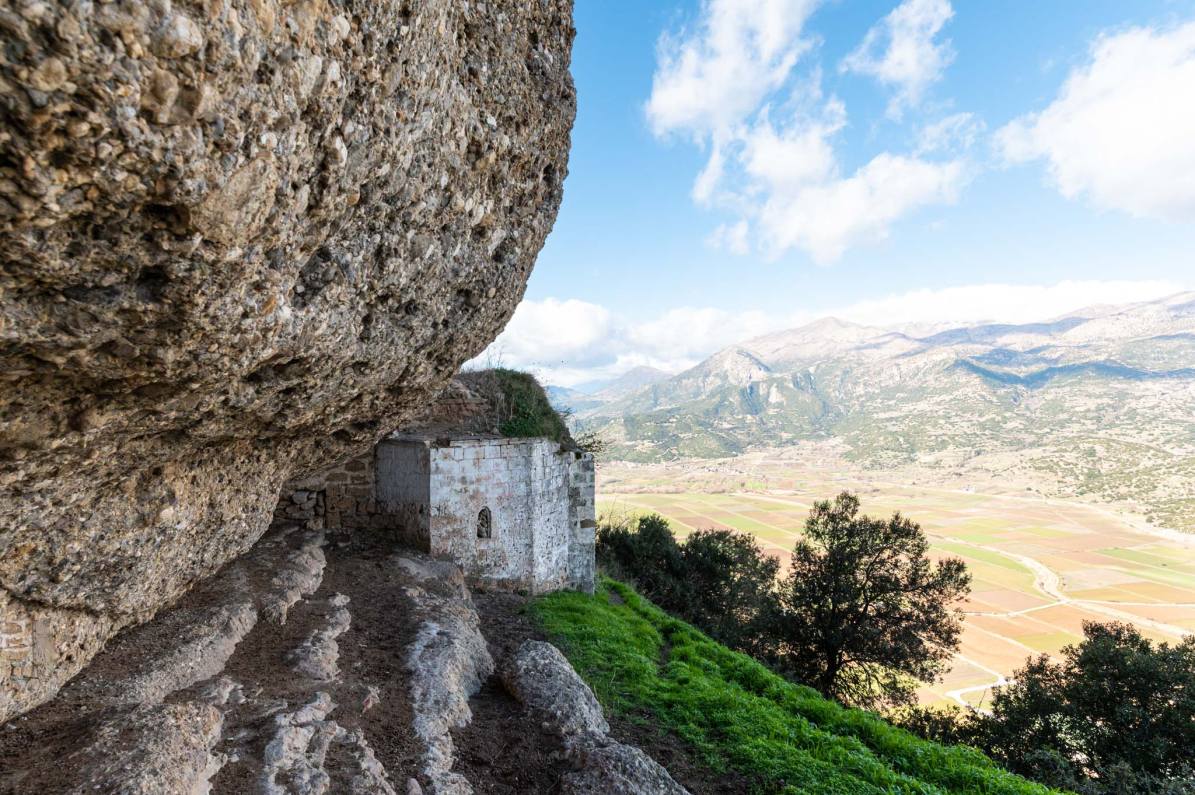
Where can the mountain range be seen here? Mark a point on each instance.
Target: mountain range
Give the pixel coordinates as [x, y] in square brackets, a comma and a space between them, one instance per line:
[575, 400]
[1099, 401]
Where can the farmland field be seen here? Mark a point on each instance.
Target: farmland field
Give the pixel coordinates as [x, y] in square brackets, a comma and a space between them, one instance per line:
[1039, 567]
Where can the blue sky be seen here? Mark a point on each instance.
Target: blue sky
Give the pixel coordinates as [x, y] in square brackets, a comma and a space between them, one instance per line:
[869, 151]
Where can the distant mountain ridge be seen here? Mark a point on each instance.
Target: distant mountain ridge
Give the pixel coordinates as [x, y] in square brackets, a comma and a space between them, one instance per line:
[563, 398]
[1107, 392]
[632, 379]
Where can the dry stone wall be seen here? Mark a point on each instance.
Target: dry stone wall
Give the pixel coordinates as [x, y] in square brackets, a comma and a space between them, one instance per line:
[240, 240]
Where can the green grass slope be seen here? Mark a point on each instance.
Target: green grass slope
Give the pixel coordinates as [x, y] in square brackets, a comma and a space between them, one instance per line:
[737, 714]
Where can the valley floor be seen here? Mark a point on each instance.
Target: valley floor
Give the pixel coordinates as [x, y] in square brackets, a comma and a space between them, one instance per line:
[1040, 566]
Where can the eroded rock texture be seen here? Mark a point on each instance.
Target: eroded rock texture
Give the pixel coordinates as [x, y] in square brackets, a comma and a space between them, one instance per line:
[239, 241]
[541, 678]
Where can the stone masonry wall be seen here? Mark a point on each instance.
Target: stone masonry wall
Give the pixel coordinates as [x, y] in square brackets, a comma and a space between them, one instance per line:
[550, 517]
[582, 522]
[352, 502]
[467, 476]
[403, 483]
[341, 498]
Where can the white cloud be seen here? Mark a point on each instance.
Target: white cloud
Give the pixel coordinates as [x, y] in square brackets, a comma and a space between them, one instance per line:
[730, 84]
[900, 51]
[955, 133]
[827, 218]
[742, 50]
[1001, 303]
[1120, 132]
[549, 332]
[731, 238]
[797, 155]
[571, 342]
[707, 181]
[689, 334]
[807, 203]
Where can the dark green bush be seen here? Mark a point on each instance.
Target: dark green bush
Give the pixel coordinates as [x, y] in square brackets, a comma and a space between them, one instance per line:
[1115, 717]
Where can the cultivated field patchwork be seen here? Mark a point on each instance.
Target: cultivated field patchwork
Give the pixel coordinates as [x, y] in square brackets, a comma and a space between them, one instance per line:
[1040, 567]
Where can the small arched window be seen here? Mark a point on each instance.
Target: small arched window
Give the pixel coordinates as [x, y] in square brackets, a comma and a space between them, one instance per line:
[485, 524]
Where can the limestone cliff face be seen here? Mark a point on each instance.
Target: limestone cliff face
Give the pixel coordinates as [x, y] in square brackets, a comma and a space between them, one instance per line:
[239, 240]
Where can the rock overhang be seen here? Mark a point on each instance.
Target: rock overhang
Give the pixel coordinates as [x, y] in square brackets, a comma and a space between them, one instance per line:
[240, 241]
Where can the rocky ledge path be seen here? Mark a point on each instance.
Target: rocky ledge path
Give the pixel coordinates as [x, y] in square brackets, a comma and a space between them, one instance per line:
[313, 669]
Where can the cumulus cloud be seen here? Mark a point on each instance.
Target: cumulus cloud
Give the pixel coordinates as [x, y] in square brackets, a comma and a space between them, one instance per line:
[1120, 132]
[806, 202]
[709, 79]
[827, 218]
[731, 84]
[901, 53]
[572, 342]
[731, 238]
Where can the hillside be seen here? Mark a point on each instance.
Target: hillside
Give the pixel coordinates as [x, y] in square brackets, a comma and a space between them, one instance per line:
[738, 716]
[1098, 402]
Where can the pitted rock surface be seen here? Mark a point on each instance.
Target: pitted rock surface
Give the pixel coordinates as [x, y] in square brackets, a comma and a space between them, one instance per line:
[240, 240]
[543, 680]
[540, 677]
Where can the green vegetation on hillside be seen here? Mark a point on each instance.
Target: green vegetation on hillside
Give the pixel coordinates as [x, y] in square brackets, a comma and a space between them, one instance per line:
[519, 406]
[736, 714]
[523, 408]
[864, 616]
